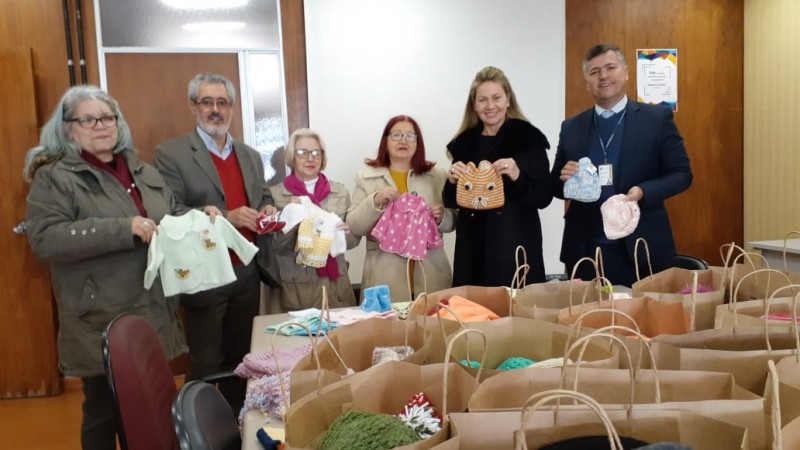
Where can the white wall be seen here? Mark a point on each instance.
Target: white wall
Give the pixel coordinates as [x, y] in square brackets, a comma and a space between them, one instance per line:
[369, 60]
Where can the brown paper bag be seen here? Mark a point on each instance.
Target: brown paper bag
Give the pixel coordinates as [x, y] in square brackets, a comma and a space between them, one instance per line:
[653, 318]
[675, 427]
[543, 301]
[496, 299]
[743, 352]
[608, 386]
[353, 344]
[381, 389]
[497, 430]
[528, 338]
[666, 285]
[304, 380]
[436, 329]
[790, 434]
[787, 371]
[737, 267]
[752, 313]
[312, 374]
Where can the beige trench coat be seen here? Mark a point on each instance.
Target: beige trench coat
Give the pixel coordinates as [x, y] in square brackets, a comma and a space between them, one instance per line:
[300, 285]
[387, 268]
[79, 220]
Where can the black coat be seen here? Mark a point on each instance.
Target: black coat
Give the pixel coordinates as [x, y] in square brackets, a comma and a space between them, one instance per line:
[486, 240]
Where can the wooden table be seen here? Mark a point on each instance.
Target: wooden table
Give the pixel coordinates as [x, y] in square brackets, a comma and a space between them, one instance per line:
[261, 341]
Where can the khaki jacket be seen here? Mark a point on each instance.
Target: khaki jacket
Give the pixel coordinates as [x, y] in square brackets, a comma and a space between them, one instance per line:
[387, 268]
[300, 287]
[79, 220]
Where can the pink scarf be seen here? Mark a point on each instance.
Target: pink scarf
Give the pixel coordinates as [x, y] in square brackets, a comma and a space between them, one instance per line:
[321, 191]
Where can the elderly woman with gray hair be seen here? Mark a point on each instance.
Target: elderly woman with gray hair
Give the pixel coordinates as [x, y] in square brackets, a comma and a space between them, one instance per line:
[92, 209]
[300, 287]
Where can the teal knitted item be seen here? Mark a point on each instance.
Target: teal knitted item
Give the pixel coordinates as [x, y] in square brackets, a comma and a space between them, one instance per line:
[515, 363]
[359, 430]
[471, 365]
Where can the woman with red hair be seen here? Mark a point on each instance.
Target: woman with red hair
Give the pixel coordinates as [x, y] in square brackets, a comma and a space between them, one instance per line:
[400, 168]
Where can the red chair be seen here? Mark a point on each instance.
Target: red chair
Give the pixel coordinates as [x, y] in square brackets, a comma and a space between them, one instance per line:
[142, 384]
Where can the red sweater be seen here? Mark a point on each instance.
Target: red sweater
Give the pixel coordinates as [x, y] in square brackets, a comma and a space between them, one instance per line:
[235, 194]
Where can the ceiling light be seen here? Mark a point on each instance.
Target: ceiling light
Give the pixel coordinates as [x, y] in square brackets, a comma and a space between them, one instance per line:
[213, 26]
[205, 4]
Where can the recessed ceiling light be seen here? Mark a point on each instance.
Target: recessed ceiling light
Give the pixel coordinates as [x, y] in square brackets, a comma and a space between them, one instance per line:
[205, 4]
[213, 26]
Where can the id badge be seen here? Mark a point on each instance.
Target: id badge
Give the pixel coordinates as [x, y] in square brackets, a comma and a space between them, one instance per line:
[606, 174]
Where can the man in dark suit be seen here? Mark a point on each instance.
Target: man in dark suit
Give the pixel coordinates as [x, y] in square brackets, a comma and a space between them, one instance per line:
[209, 167]
[638, 152]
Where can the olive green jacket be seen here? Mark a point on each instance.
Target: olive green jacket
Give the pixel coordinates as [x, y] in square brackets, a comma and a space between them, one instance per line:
[79, 220]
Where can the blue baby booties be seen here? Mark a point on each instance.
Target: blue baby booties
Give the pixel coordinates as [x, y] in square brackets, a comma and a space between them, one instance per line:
[384, 298]
[371, 303]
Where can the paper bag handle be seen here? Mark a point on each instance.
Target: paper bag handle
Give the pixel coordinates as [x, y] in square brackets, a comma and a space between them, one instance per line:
[447, 356]
[281, 380]
[793, 325]
[598, 257]
[521, 259]
[410, 277]
[585, 259]
[726, 252]
[636, 258]
[538, 400]
[517, 284]
[769, 272]
[774, 400]
[729, 272]
[601, 280]
[785, 243]
[634, 371]
[577, 325]
[326, 310]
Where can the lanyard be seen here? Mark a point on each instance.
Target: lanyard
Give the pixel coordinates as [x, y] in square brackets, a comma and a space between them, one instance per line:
[604, 145]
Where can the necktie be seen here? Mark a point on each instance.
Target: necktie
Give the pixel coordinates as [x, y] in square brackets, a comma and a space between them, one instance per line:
[607, 114]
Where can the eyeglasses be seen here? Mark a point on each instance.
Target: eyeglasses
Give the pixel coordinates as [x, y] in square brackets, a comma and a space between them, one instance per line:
[91, 122]
[398, 135]
[313, 154]
[208, 103]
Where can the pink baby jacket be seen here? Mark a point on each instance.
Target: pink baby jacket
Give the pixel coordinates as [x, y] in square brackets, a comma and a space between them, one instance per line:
[407, 228]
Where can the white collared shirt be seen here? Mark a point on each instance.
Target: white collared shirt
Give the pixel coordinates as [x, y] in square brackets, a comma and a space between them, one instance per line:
[619, 107]
[211, 144]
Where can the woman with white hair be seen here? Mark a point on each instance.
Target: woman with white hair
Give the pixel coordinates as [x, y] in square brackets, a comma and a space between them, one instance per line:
[92, 209]
[300, 284]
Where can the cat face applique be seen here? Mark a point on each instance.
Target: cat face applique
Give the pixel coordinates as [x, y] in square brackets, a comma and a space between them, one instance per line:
[480, 187]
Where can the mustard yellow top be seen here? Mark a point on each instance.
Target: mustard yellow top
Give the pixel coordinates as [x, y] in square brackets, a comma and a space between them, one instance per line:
[401, 180]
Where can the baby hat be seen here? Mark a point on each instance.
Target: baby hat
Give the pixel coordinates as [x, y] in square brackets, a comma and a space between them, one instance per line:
[620, 216]
[584, 185]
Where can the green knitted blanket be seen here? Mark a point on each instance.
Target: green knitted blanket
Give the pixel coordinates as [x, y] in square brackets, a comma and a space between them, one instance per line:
[359, 430]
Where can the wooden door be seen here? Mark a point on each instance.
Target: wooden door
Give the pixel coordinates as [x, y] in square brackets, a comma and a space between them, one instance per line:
[27, 337]
[152, 91]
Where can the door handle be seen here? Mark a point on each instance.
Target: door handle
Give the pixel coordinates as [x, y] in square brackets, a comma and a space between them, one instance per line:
[20, 228]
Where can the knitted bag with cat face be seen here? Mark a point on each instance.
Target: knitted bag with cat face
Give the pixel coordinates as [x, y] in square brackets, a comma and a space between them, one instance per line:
[480, 187]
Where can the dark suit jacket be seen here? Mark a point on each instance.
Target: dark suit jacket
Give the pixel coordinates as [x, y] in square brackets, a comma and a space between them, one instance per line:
[653, 157]
[189, 170]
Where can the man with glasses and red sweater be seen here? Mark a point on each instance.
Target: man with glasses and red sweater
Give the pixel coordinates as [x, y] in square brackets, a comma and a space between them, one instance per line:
[209, 167]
